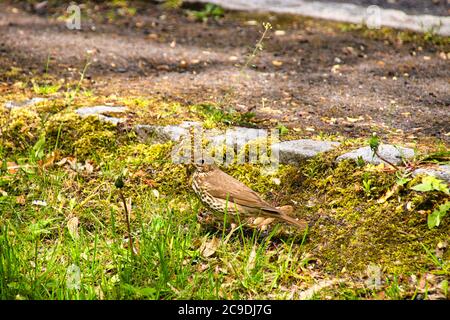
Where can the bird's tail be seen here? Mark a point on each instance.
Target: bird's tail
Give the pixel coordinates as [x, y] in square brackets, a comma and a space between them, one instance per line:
[284, 212]
[286, 209]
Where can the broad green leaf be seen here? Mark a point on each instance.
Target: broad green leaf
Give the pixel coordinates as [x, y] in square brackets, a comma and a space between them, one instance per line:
[434, 219]
[38, 148]
[430, 183]
[402, 181]
[423, 187]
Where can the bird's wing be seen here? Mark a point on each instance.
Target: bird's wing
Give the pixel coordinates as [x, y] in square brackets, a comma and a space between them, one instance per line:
[236, 192]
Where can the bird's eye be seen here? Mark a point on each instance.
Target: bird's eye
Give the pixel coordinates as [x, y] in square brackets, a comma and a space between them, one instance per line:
[203, 161]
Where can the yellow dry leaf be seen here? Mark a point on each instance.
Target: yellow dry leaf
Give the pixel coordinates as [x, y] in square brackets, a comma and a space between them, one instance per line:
[89, 168]
[270, 110]
[208, 248]
[277, 63]
[12, 167]
[389, 194]
[251, 260]
[20, 200]
[72, 226]
[355, 119]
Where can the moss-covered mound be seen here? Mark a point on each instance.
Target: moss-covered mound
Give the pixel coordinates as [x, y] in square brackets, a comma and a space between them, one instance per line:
[360, 215]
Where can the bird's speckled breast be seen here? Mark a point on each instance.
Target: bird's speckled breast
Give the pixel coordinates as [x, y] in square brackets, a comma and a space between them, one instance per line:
[204, 195]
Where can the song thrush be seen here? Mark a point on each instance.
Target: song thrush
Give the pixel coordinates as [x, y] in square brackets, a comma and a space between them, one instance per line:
[222, 193]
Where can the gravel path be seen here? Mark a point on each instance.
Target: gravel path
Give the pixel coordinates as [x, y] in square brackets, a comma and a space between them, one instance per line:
[310, 75]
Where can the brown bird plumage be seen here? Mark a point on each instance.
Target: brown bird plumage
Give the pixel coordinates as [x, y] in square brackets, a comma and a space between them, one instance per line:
[221, 192]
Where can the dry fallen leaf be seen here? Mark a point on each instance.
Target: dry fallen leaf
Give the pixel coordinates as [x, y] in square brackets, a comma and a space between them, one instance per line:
[335, 68]
[12, 167]
[41, 203]
[72, 162]
[277, 63]
[208, 248]
[149, 182]
[355, 119]
[20, 200]
[50, 160]
[251, 23]
[155, 193]
[389, 194]
[139, 173]
[88, 167]
[72, 226]
[322, 284]
[61, 162]
[251, 260]
[349, 51]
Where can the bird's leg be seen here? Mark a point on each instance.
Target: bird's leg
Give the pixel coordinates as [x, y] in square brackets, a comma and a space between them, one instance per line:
[205, 217]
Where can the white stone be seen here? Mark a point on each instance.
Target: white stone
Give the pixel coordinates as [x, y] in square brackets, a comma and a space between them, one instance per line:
[441, 172]
[165, 133]
[373, 17]
[237, 136]
[391, 153]
[22, 104]
[99, 111]
[294, 151]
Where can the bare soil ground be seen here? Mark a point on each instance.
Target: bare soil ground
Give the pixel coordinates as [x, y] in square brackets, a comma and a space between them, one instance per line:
[316, 76]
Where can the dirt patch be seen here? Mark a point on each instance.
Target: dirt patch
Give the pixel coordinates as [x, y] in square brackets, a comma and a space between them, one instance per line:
[315, 76]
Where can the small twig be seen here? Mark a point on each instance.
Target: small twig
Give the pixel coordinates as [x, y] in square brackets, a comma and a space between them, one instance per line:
[374, 143]
[258, 46]
[385, 160]
[127, 219]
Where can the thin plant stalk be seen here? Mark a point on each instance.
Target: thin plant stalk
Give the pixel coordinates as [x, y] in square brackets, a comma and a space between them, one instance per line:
[127, 220]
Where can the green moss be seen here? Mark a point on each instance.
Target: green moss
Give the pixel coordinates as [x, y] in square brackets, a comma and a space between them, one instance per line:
[80, 136]
[353, 229]
[156, 166]
[19, 128]
[349, 230]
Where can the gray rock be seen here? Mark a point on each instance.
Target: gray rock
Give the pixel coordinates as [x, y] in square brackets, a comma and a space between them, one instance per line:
[391, 153]
[87, 111]
[237, 137]
[100, 111]
[112, 120]
[22, 104]
[348, 12]
[189, 124]
[298, 150]
[164, 133]
[160, 133]
[441, 172]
